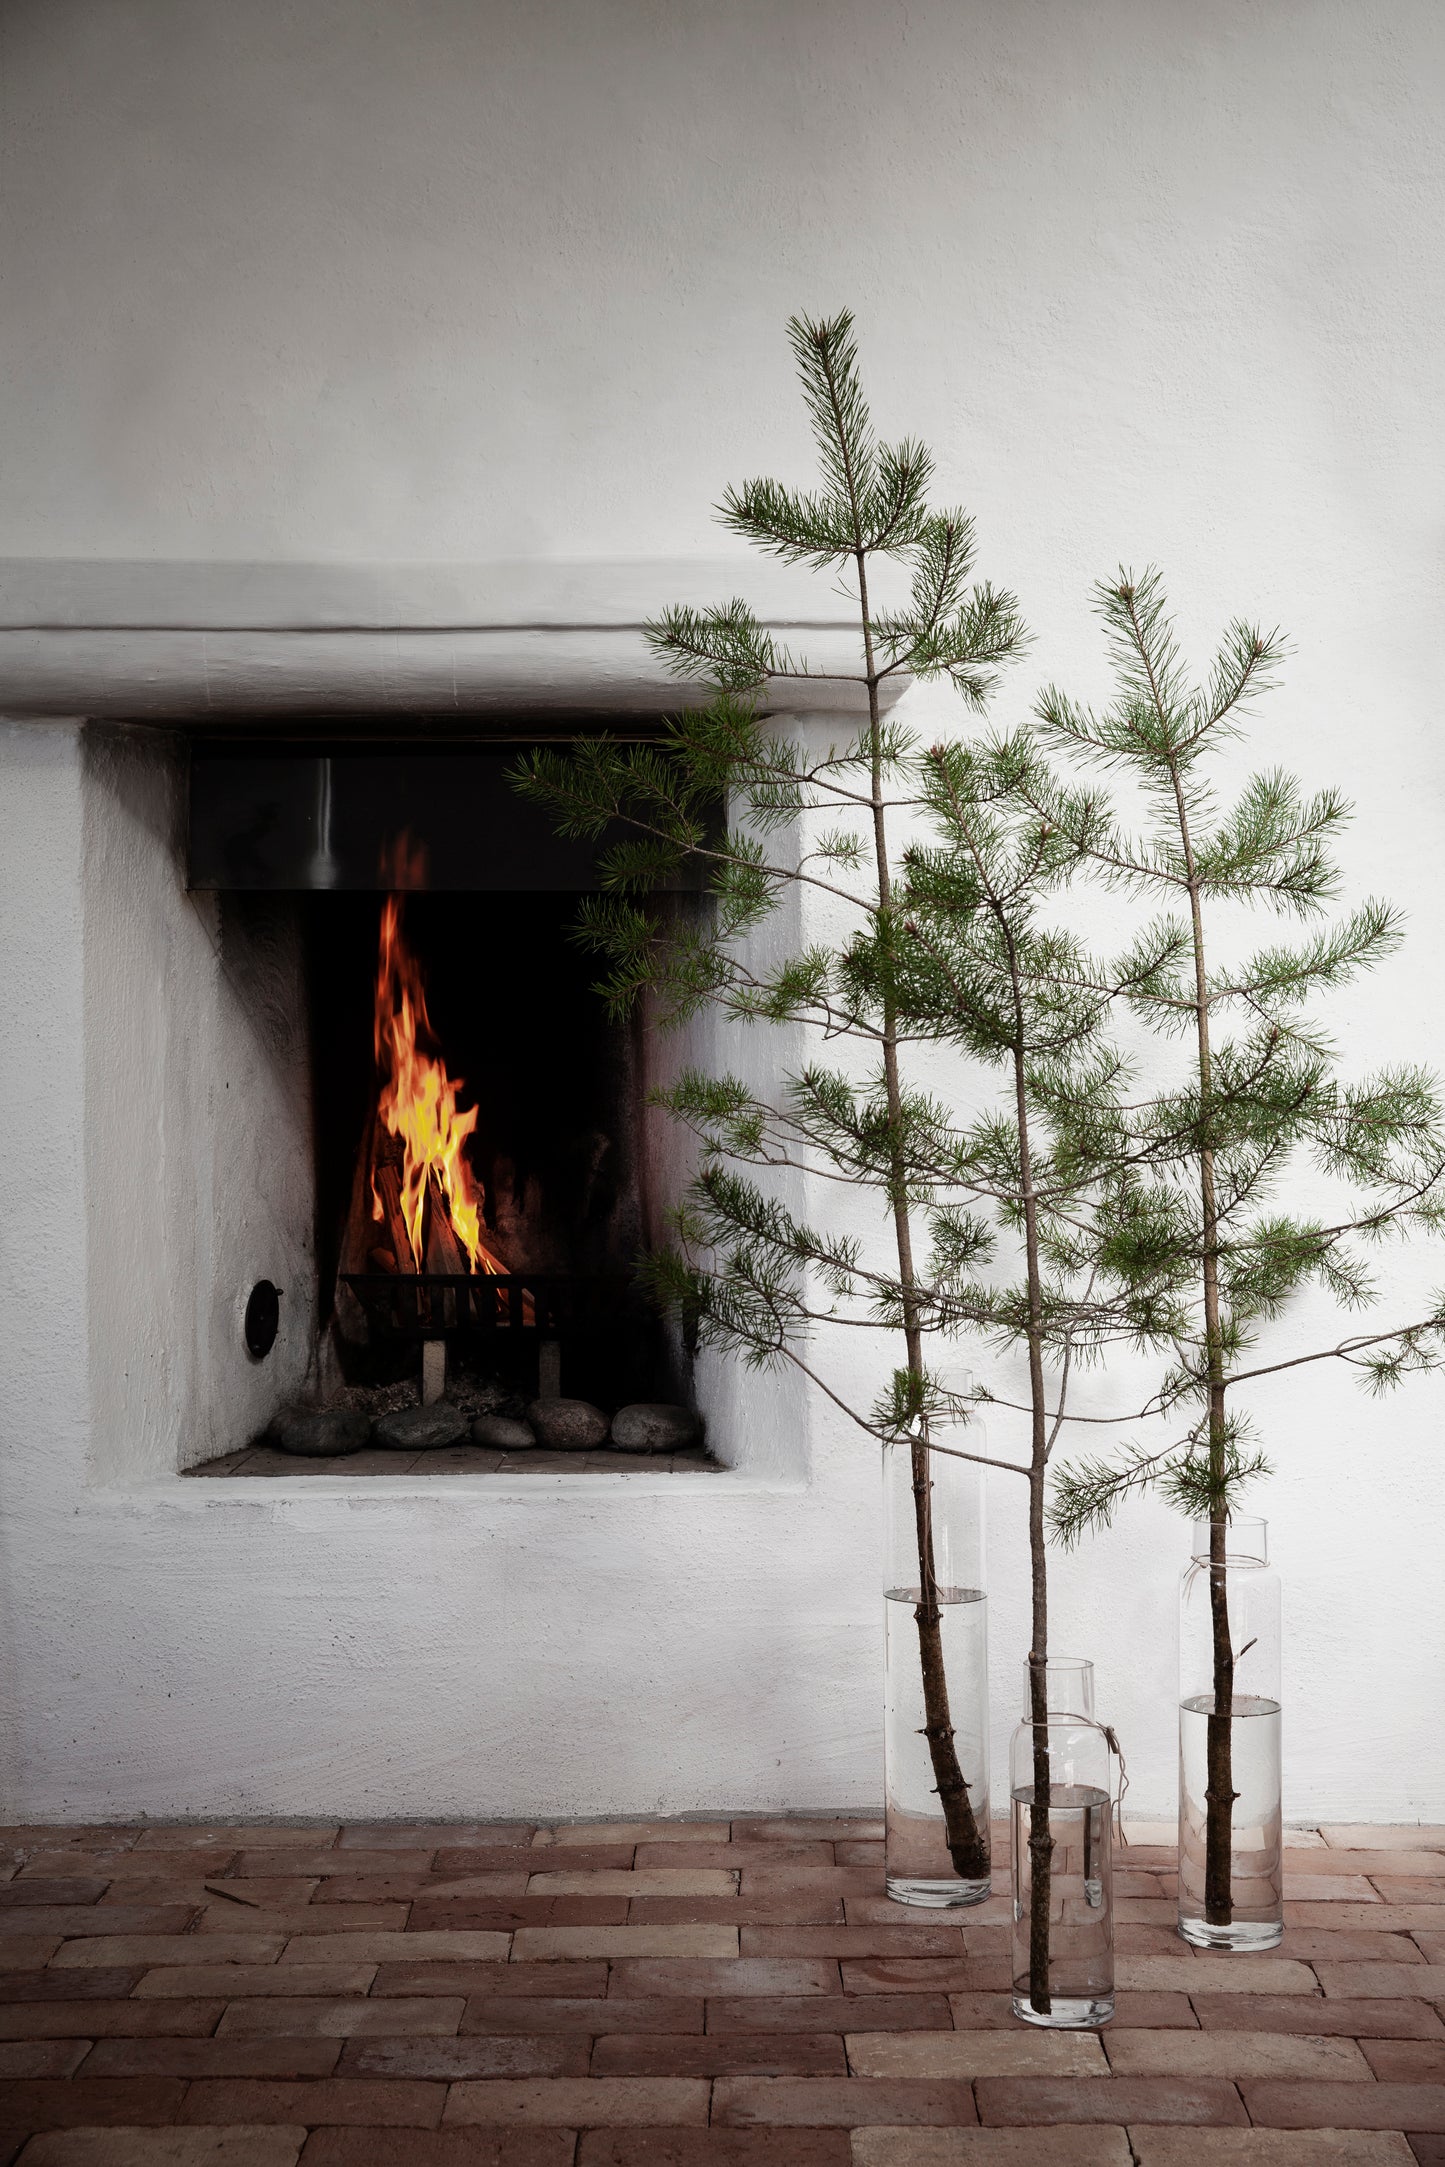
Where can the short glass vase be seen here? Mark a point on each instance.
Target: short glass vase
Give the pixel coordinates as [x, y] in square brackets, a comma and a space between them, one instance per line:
[935, 1626]
[1231, 1879]
[1061, 1781]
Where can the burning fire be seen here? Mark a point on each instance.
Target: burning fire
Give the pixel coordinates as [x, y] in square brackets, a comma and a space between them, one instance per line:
[418, 1100]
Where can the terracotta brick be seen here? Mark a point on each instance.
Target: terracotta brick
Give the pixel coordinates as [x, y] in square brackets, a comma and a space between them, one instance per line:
[1186, 1974]
[213, 2058]
[340, 1891]
[92, 1865]
[1324, 1889]
[19, 1951]
[1408, 1889]
[1376, 1918]
[36, 1985]
[638, 1881]
[257, 1835]
[961, 2057]
[47, 2058]
[577, 1982]
[572, 1835]
[313, 1919]
[732, 1857]
[316, 2017]
[1381, 1836]
[245, 1897]
[771, 1975]
[97, 1919]
[1432, 1943]
[1233, 2054]
[492, 2013]
[1426, 2150]
[108, 2019]
[232, 1980]
[1269, 2148]
[490, 1915]
[1021, 2102]
[832, 2013]
[435, 1835]
[922, 1974]
[838, 2102]
[515, 2055]
[1282, 2105]
[1406, 2061]
[1421, 1864]
[483, 1859]
[859, 1854]
[27, 1836]
[1075, 2147]
[621, 1944]
[166, 2148]
[802, 1828]
[1311, 1944]
[883, 1911]
[1373, 1981]
[1330, 2018]
[714, 2148]
[266, 1865]
[157, 1949]
[855, 1941]
[52, 1889]
[377, 1948]
[371, 2102]
[578, 2102]
[441, 2148]
[768, 1879]
[87, 2102]
[797, 1907]
[737, 2054]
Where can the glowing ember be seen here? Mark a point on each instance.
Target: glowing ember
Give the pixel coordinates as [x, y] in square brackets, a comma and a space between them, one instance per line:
[418, 1105]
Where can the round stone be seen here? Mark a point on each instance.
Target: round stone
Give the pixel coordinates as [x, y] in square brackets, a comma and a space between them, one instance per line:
[320, 1433]
[422, 1429]
[655, 1426]
[567, 1425]
[501, 1433]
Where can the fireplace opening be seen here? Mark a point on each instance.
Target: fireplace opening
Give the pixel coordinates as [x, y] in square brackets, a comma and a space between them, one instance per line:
[480, 1140]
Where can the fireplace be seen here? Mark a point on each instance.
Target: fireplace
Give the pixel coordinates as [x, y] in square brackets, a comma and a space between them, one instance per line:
[478, 1132]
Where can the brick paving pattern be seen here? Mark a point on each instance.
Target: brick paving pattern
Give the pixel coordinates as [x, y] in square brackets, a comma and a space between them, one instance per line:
[682, 1994]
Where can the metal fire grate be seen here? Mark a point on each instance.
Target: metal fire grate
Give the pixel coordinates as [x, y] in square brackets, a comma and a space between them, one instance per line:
[419, 1305]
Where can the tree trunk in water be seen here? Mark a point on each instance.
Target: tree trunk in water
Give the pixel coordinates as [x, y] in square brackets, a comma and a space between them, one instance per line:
[967, 1845]
[1219, 1792]
[1041, 1840]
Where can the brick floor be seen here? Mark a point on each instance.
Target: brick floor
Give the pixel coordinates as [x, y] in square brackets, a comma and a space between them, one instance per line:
[697, 1994]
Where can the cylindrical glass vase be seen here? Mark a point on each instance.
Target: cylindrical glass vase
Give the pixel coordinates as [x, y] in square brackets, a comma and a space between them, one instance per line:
[1061, 1783]
[1231, 1882]
[935, 1622]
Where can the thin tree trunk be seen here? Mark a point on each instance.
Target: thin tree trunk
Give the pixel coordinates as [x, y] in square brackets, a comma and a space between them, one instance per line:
[1219, 1791]
[968, 1846]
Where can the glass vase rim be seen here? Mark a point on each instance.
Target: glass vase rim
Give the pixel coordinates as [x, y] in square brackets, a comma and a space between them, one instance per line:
[1246, 1540]
[1057, 1669]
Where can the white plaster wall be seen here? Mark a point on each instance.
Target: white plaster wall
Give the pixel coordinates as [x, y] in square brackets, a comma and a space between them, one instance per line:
[456, 283]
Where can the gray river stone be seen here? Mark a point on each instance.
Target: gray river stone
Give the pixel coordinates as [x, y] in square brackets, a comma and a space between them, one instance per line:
[655, 1426]
[567, 1425]
[321, 1433]
[502, 1433]
[422, 1429]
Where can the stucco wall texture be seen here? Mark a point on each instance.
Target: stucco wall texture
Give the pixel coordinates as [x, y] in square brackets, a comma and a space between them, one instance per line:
[363, 285]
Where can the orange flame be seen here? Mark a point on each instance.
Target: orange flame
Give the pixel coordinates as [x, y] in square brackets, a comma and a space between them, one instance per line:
[418, 1100]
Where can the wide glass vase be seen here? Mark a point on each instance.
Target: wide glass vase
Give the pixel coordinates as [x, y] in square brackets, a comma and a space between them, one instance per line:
[1061, 1783]
[1231, 1884]
[935, 1622]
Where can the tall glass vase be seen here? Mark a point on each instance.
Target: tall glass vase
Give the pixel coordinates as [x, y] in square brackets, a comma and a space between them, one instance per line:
[1061, 1781]
[1231, 1886]
[936, 1677]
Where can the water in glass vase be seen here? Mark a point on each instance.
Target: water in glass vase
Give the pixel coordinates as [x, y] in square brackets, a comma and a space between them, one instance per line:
[919, 1866]
[1256, 1876]
[1080, 1985]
